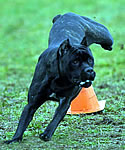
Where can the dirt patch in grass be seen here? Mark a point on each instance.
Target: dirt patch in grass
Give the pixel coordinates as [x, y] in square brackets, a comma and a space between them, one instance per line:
[103, 130]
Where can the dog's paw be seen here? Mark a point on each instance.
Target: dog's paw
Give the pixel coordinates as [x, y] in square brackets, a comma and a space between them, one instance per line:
[13, 140]
[44, 137]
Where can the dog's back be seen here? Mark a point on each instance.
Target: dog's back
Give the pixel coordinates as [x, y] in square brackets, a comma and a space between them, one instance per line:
[75, 27]
[67, 26]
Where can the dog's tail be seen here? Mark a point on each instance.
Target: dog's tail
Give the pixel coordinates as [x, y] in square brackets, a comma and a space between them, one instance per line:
[96, 33]
[56, 18]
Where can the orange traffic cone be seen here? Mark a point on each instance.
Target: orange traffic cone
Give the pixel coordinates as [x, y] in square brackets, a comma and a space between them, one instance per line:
[86, 102]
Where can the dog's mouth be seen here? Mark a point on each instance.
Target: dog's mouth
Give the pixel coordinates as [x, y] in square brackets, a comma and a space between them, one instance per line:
[85, 84]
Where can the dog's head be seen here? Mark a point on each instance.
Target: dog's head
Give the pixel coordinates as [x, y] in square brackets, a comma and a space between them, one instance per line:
[76, 64]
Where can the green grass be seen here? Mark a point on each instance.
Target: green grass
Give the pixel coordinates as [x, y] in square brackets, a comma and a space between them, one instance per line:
[24, 30]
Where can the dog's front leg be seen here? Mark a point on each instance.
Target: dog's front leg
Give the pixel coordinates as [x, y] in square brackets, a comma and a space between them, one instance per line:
[59, 115]
[36, 97]
[25, 119]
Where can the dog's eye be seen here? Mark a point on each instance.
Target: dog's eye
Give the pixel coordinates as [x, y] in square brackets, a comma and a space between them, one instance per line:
[90, 61]
[75, 62]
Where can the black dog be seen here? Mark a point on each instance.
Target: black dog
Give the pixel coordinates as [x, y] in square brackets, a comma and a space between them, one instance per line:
[63, 68]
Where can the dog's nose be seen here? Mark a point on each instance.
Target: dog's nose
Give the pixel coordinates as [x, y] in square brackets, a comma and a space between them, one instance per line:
[90, 73]
[89, 70]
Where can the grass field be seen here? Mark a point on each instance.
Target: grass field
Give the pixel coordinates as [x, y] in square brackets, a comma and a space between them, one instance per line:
[24, 30]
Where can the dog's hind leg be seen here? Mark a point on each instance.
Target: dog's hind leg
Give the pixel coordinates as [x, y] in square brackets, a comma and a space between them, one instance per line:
[35, 100]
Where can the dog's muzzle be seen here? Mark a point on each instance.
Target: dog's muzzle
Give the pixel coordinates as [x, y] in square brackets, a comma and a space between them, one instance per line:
[89, 74]
[83, 83]
[86, 83]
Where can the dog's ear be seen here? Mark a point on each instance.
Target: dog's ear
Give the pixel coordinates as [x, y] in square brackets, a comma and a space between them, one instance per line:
[84, 41]
[64, 47]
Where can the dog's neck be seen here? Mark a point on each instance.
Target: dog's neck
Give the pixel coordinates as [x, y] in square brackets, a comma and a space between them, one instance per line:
[60, 84]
